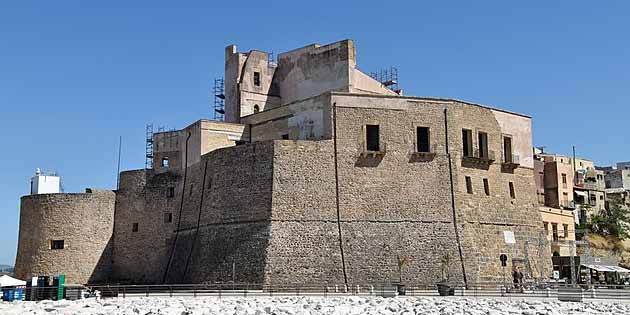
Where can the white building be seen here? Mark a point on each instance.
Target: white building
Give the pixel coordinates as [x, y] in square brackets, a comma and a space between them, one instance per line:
[45, 183]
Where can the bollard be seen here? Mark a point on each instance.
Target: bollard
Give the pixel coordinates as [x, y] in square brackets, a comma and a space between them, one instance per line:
[371, 290]
[548, 292]
[357, 289]
[336, 288]
[503, 291]
[593, 294]
[345, 288]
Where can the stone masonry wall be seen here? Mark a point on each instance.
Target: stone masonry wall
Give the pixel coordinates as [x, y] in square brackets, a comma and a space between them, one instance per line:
[84, 221]
[224, 220]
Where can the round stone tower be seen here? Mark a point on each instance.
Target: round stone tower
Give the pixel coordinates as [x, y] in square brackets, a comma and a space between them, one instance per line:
[66, 233]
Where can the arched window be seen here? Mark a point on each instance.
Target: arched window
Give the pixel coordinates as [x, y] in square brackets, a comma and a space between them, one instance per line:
[256, 108]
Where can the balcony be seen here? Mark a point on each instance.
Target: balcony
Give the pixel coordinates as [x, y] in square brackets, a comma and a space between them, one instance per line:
[424, 156]
[479, 158]
[509, 162]
[381, 150]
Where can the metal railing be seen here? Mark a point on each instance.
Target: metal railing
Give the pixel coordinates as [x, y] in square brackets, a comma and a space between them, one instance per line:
[487, 155]
[510, 159]
[488, 290]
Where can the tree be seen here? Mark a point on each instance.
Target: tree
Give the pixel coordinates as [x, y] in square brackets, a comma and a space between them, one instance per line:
[613, 221]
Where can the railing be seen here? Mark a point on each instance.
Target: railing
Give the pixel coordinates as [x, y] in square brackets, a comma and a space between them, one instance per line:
[489, 289]
[484, 155]
[507, 289]
[510, 159]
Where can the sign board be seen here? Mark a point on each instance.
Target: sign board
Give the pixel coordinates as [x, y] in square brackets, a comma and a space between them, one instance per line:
[509, 237]
[556, 274]
[503, 259]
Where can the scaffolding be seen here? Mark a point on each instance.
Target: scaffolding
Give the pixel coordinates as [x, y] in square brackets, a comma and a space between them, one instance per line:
[388, 78]
[148, 164]
[219, 99]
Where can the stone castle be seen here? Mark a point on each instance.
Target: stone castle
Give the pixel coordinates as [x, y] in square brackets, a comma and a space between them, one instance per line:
[319, 174]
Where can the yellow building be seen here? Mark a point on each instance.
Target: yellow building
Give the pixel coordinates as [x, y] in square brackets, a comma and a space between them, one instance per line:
[559, 227]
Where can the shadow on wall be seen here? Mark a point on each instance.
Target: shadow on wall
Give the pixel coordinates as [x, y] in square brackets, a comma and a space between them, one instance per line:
[368, 161]
[103, 270]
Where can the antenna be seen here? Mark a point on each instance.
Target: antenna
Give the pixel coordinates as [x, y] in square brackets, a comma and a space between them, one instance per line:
[118, 171]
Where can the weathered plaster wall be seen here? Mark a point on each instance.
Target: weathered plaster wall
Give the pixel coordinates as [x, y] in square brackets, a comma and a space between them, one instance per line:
[519, 128]
[308, 119]
[315, 69]
[84, 221]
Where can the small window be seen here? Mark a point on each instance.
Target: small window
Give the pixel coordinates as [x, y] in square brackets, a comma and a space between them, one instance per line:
[170, 192]
[507, 149]
[256, 109]
[467, 142]
[165, 162]
[546, 224]
[168, 217]
[469, 188]
[483, 144]
[134, 227]
[56, 244]
[564, 179]
[601, 197]
[285, 136]
[486, 187]
[512, 193]
[192, 189]
[422, 139]
[372, 138]
[566, 230]
[554, 231]
[257, 78]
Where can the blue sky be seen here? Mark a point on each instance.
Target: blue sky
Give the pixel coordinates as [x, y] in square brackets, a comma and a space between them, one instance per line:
[76, 75]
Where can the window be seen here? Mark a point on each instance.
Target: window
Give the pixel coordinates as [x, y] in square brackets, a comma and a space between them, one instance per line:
[565, 199]
[170, 192]
[422, 139]
[168, 217]
[507, 149]
[372, 137]
[564, 180]
[565, 227]
[483, 144]
[469, 188]
[512, 194]
[192, 189]
[601, 197]
[56, 244]
[467, 142]
[546, 224]
[257, 78]
[554, 231]
[165, 162]
[134, 227]
[285, 136]
[256, 108]
[486, 187]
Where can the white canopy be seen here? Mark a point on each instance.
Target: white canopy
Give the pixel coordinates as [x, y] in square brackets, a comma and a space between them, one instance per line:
[607, 268]
[7, 281]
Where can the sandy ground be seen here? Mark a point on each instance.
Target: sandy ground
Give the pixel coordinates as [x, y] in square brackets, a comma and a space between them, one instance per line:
[312, 305]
